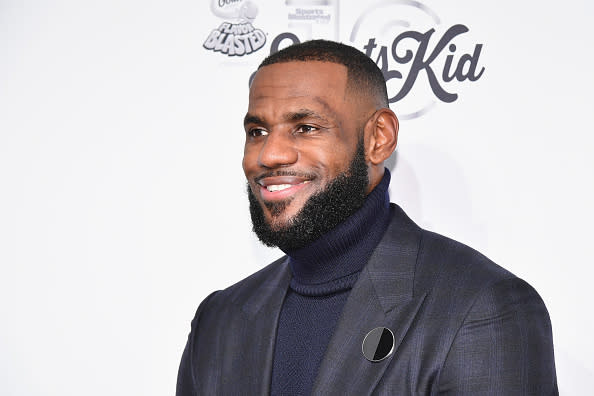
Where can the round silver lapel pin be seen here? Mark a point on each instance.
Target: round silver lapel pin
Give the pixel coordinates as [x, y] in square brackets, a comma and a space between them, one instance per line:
[378, 344]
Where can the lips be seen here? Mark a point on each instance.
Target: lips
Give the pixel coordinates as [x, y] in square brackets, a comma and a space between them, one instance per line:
[281, 187]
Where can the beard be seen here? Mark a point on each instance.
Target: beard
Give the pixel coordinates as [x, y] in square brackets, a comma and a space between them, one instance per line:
[323, 211]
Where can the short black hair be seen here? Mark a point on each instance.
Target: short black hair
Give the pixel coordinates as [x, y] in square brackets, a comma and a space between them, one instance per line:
[363, 75]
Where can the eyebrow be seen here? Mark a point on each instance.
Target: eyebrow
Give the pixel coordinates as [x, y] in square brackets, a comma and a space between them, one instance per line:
[303, 113]
[292, 116]
[252, 119]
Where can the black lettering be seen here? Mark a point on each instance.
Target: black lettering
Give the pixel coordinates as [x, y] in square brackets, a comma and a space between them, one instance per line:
[420, 63]
[448, 65]
[369, 47]
[279, 39]
[388, 74]
[472, 61]
[383, 58]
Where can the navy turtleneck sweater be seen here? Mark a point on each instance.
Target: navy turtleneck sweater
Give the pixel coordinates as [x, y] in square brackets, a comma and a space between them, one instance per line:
[323, 274]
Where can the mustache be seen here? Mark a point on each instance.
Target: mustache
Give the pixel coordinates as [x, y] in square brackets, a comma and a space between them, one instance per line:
[305, 175]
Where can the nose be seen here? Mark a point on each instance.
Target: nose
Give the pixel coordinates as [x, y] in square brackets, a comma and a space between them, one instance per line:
[278, 150]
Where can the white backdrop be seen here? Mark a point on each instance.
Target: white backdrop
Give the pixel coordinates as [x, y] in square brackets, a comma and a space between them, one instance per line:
[122, 199]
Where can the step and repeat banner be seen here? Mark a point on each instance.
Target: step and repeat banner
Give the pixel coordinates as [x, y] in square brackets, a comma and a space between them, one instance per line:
[123, 204]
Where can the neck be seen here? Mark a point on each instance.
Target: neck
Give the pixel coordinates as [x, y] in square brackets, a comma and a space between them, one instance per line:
[344, 250]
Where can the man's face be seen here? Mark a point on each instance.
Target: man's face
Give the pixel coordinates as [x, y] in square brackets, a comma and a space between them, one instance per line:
[302, 133]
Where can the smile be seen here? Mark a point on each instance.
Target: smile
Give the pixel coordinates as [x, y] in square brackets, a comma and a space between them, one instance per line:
[281, 187]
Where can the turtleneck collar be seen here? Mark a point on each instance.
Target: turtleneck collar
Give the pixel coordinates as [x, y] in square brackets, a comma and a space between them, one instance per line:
[332, 262]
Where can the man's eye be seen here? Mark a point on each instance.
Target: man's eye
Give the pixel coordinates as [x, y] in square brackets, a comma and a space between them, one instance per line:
[256, 132]
[306, 129]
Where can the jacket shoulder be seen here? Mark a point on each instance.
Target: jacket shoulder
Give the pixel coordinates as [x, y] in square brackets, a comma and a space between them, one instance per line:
[442, 255]
[264, 281]
[439, 257]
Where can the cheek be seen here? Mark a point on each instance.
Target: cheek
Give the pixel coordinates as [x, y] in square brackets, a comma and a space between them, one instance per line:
[243, 163]
[331, 160]
[250, 159]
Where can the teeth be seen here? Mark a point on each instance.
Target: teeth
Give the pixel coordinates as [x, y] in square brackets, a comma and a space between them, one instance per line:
[278, 187]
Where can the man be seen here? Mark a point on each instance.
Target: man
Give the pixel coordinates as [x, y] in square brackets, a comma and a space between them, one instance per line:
[447, 319]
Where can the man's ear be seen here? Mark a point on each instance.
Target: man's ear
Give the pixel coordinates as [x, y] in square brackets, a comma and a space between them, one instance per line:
[382, 136]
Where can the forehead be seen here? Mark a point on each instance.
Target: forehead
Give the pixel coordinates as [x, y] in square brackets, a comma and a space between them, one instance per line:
[322, 85]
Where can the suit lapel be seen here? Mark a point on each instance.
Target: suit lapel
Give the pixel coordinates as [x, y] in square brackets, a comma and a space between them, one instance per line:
[382, 296]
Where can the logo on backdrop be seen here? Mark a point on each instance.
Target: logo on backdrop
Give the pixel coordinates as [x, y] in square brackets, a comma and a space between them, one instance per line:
[313, 18]
[236, 36]
[423, 60]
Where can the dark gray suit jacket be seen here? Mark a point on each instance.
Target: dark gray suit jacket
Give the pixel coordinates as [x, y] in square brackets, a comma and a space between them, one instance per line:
[462, 324]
